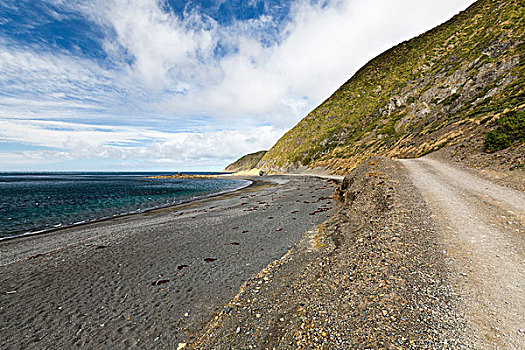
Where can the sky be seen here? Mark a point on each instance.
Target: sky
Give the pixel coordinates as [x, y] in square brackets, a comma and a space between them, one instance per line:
[173, 85]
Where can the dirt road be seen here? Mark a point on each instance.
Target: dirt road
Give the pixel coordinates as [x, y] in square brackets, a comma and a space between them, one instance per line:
[482, 227]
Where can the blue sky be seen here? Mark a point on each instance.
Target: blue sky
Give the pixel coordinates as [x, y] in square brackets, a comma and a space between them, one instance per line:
[179, 85]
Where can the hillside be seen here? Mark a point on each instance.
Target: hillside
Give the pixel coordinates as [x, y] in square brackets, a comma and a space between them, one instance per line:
[247, 162]
[447, 88]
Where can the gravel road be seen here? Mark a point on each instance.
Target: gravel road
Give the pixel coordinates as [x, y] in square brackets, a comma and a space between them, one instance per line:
[482, 227]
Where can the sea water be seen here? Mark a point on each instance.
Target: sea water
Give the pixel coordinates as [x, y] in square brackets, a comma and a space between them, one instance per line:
[32, 203]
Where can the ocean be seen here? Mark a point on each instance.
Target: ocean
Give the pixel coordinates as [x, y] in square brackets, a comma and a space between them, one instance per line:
[32, 203]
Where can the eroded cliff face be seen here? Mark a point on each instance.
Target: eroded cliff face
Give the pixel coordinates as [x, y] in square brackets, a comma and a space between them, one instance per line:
[447, 87]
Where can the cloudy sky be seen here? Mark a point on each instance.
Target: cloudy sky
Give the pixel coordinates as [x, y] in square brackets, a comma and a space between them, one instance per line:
[179, 85]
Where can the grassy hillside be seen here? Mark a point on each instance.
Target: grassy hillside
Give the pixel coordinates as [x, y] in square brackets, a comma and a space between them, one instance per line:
[449, 86]
[246, 162]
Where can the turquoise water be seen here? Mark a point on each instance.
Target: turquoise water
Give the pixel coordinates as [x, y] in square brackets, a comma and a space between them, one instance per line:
[32, 203]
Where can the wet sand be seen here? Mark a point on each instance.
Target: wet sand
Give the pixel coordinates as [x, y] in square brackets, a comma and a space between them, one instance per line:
[150, 280]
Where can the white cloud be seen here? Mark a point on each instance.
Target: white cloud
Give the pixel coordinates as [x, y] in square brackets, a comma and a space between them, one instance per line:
[319, 49]
[165, 49]
[64, 140]
[40, 84]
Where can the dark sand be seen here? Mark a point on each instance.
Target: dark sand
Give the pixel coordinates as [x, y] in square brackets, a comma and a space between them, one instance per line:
[150, 280]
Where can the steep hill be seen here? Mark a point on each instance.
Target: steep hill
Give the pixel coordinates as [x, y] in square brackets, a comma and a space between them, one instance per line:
[448, 87]
[247, 162]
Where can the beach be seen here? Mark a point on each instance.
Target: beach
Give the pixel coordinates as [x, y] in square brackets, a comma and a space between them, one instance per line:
[154, 279]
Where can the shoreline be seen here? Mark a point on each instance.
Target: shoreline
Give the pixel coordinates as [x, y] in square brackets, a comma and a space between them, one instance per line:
[118, 216]
[151, 280]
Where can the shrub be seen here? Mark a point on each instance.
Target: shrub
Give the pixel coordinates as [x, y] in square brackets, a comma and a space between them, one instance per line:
[451, 99]
[511, 128]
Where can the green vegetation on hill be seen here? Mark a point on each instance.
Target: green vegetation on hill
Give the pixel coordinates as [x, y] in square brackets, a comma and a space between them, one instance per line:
[511, 128]
[247, 162]
[436, 90]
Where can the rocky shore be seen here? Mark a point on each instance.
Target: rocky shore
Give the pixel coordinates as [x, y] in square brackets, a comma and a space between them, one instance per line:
[421, 254]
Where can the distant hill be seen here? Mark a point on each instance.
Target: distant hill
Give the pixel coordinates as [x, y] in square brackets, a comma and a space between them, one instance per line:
[246, 162]
[460, 84]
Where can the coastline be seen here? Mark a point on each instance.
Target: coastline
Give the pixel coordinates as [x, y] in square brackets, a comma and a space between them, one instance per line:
[151, 279]
[117, 216]
[71, 230]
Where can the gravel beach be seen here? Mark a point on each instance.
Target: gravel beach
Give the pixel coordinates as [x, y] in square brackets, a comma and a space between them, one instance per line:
[150, 280]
